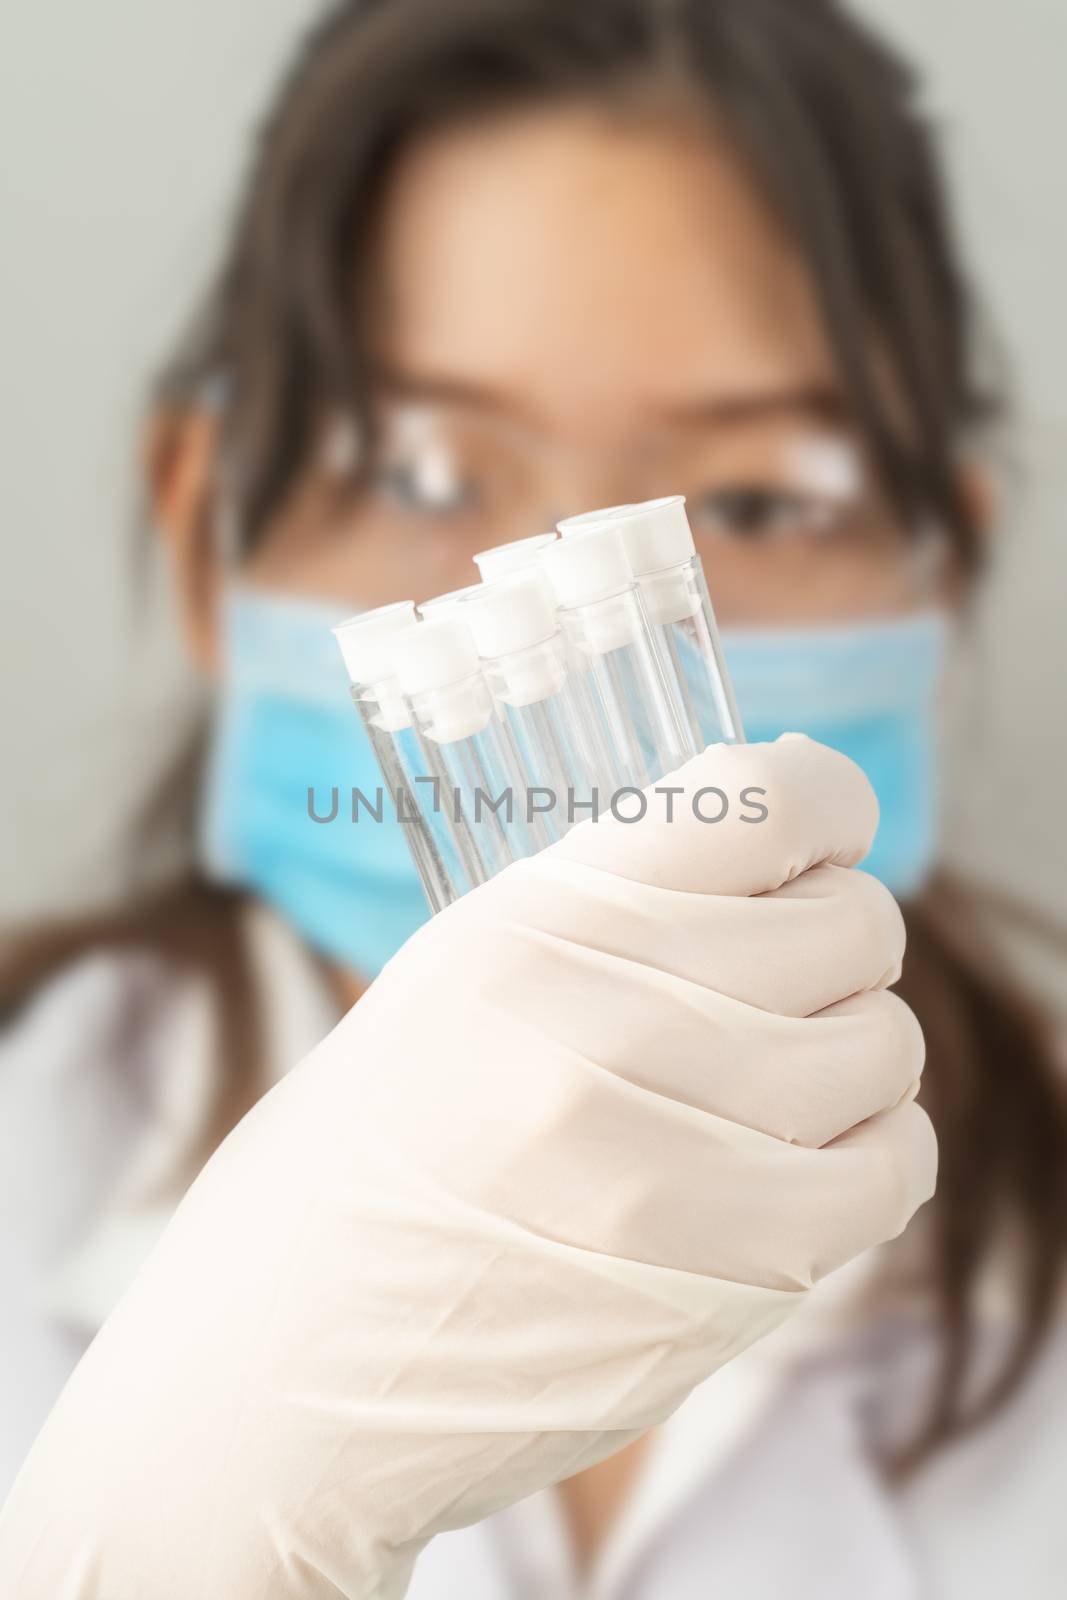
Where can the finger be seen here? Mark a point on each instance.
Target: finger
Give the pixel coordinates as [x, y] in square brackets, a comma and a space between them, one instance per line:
[785, 1216]
[819, 807]
[677, 1184]
[806, 1080]
[803, 947]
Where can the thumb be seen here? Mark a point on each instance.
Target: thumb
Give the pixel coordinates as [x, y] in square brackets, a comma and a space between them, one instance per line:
[736, 820]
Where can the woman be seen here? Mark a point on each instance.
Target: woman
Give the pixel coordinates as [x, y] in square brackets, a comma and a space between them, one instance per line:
[500, 263]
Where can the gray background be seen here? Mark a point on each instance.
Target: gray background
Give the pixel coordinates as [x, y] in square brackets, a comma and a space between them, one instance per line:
[124, 126]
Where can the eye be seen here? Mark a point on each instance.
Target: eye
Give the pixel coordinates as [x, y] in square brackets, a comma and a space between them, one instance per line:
[760, 511]
[428, 484]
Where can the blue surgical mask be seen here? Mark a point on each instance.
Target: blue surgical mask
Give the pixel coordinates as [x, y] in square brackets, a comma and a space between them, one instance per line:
[869, 690]
[286, 723]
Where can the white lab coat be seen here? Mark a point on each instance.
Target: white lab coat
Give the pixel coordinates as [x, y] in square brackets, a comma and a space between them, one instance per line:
[106, 1082]
[763, 1484]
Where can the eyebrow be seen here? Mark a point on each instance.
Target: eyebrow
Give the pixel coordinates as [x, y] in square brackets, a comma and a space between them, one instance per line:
[443, 388]
[816, 401]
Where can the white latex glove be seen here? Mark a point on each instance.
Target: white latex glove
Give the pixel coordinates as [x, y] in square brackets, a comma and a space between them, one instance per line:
[592, 1132]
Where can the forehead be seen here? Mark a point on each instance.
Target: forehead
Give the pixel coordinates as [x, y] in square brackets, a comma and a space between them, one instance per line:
[593, 270]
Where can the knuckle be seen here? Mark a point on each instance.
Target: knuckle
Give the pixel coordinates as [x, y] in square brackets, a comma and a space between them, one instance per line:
[895, 1035]
[907, 1166]
[872, 920]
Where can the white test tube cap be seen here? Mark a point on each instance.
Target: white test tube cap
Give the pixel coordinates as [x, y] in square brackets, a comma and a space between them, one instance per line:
[659, 543]
[512, 613]
[438, 669]
[588, 567]
[366, 640]
[441, 604]
[511, 557]
[509, 620]
[434, 654]
[591, 519]
[657, 534]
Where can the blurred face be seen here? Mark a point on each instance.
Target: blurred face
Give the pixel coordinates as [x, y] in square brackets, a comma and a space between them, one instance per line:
[566, 311]
[573, 311]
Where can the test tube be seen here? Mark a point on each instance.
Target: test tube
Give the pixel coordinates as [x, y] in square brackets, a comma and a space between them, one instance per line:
[511, 557]
[603, 620]
[670, 579]
[365, 641]
[440, 676]
[544, 702]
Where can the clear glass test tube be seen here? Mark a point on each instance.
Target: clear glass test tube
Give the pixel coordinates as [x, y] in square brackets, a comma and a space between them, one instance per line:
[440, 676]
[603, 620]
[403, 757]
[670, 579]
[564, 761]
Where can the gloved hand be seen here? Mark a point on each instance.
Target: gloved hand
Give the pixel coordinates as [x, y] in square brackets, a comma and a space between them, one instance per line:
[592, 1132]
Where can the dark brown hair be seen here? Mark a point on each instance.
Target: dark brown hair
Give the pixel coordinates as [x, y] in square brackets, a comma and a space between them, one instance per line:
[995, 1096]
[828, 120]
